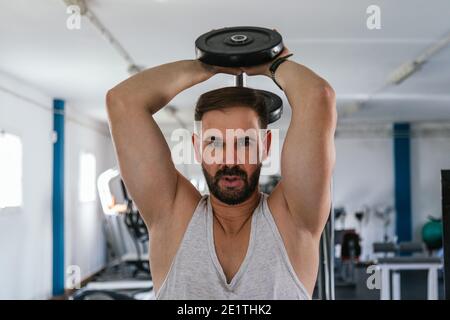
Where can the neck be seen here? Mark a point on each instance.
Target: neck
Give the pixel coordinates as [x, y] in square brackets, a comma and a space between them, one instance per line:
[232, 218]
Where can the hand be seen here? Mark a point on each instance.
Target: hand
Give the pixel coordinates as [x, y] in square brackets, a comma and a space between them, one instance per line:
[213, 70]
[263, 69]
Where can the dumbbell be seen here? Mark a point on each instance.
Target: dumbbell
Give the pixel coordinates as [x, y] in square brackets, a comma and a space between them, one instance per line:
[243, 47]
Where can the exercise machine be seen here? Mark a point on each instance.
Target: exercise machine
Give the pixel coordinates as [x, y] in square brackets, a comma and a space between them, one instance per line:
[128, 276]
[445, 185]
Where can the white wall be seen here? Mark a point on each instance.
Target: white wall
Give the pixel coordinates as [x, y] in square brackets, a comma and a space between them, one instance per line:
[364, 173]
[430, 153]
[84, 234]
[364, 176]
[26, 232]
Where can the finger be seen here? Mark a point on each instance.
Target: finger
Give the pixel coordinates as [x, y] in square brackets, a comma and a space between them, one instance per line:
[285, 52]
[235, 71]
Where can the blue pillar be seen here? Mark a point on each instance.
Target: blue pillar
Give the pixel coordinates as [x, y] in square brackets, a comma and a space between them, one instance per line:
[58, 198]
[402, 169]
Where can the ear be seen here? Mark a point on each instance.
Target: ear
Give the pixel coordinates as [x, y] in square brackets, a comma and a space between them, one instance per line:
[196, 143]
[266, 144]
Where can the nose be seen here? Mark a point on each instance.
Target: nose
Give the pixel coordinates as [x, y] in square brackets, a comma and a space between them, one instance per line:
[232, 156]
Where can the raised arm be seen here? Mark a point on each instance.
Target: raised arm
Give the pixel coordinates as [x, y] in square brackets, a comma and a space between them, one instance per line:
[308, 153]
[144, 156]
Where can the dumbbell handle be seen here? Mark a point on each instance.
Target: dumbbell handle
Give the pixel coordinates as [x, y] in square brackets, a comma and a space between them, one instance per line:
[241, 80]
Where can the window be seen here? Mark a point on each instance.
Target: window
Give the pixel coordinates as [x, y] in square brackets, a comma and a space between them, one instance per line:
[10, 170]
[87, 177]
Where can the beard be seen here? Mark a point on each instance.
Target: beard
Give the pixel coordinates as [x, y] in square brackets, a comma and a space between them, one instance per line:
[232, 195]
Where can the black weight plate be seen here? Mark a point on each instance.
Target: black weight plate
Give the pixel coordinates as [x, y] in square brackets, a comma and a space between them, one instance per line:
[238, 46]
[274, 105]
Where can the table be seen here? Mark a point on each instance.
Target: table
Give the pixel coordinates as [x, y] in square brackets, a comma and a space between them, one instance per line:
[396, 264]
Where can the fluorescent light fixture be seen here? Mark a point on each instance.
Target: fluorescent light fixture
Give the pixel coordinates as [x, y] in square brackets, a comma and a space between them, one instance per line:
[407, 69]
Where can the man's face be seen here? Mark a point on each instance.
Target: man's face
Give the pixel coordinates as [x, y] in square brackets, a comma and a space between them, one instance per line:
[231, 150]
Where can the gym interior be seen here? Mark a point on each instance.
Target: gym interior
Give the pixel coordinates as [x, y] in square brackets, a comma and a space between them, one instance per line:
[70, 230]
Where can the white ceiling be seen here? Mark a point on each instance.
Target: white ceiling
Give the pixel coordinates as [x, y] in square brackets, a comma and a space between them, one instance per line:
[328, 36]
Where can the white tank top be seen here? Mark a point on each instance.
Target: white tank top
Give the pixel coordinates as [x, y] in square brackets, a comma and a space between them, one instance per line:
[266, 272]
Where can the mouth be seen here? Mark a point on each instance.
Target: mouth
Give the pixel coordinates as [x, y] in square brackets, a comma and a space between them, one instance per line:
[231, 181]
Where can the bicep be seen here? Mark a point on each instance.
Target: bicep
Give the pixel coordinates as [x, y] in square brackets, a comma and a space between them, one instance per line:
[144, 159]
[307, 161]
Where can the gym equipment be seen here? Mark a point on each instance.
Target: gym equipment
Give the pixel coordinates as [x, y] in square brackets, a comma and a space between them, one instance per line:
[243, 47]
[385, 247]
[138, 231]
[239, 46]
[350, 253]
[359, 216]
[340, 214]
[325, 281]
[432, 233]
[127, 277]
[445, 186]
[400, 249]
[351, 248]
[117, 203]
[384, 213]
[408, 247]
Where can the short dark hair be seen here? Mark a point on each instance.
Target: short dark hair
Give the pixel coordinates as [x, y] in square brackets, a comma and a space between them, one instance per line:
[230, 97]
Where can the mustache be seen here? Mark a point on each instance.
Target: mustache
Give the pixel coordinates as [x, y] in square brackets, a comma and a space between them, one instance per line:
[233, 171]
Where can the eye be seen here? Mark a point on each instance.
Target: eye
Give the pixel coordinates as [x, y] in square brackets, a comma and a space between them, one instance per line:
[215, 143]
[245, 142]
